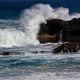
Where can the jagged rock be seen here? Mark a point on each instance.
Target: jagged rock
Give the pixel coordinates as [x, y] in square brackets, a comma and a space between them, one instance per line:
[67, 47]
[70, 30]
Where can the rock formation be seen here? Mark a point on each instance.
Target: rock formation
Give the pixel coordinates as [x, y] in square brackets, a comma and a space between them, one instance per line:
[68, 47]
[56, 29]
[51, 30]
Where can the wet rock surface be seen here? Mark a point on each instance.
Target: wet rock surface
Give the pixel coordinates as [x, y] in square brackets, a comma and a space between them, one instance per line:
[68, 47]
[9, 53]
[56, 30]
[50, 32]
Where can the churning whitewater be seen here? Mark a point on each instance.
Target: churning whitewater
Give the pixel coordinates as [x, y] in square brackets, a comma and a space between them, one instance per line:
[24, 31]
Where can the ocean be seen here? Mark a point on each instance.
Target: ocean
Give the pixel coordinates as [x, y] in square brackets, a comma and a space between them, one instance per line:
[28, 59]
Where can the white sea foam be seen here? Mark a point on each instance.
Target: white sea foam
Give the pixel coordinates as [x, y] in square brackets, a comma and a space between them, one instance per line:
[30, 21]
[47, 76]
[45, 71]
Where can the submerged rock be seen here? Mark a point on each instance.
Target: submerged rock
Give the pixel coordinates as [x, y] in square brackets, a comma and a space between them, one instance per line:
[9, 53]
[6, 53]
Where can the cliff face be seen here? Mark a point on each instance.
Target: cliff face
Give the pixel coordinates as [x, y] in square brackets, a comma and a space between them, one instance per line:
[56, 29]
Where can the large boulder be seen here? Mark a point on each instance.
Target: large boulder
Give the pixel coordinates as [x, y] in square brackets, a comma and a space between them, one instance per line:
[50, 32]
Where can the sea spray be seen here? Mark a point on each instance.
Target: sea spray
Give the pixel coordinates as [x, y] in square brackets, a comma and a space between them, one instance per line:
[33, 17]
[29, 23]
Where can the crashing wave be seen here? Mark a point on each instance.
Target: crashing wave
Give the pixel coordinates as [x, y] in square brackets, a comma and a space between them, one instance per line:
[29, 23]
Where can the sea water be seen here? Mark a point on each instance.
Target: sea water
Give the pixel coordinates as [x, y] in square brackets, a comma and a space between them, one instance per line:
[32, 60]
[40, 67]
[28, 65]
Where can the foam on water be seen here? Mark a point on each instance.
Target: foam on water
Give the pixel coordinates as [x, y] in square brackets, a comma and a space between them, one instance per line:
[47, 76]
[40, 67]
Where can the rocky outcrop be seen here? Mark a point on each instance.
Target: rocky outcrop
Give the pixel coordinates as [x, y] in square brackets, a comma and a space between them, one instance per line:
[50, 32]
[56, 30]
[68, 47]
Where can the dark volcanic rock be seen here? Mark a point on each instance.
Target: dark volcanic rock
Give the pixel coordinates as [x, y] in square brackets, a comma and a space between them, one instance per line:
[50, 32]
[9, 53]
[68, 47]
[56, 30]
[6, 53]
[44, 38]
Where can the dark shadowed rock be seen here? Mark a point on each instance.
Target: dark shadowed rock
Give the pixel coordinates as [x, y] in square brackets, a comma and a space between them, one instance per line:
[9, 53]
[50, 32]
[68, 47]
[56, 30]
[6, 53]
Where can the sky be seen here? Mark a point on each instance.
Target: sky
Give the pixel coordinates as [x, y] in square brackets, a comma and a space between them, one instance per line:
[14, 7]
[73, 5]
